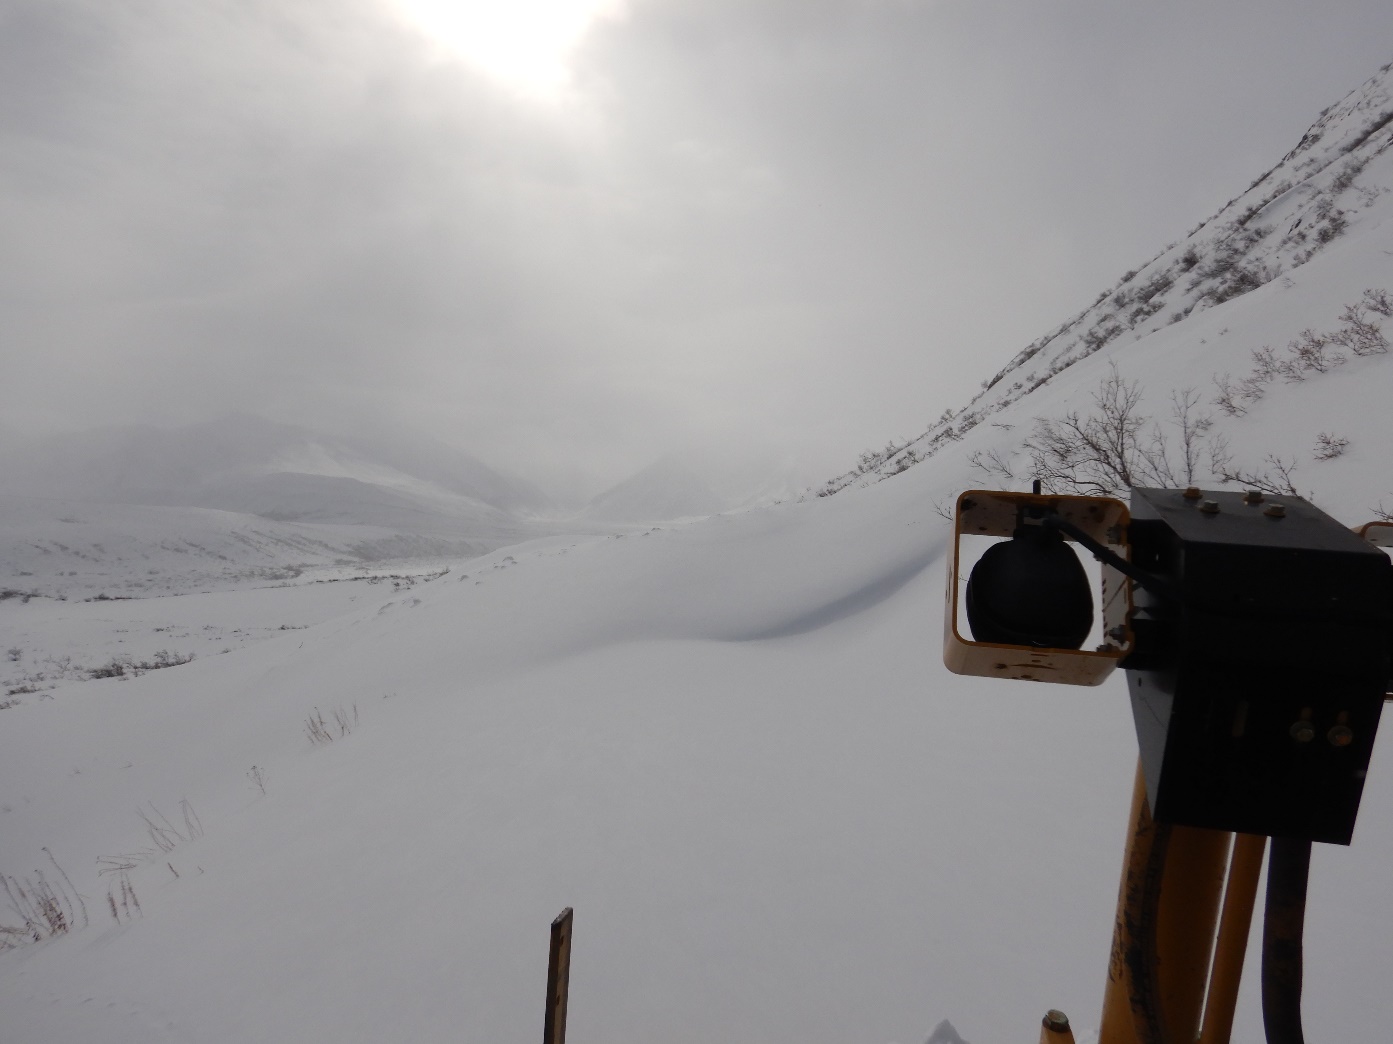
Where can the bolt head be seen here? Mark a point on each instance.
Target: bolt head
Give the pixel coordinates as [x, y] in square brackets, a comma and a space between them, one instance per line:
[1192, 493]
[1209, 507]
[1340, 736]
[1303, 731]
[1275, 511]
[1056, 1020]
[1253, 496]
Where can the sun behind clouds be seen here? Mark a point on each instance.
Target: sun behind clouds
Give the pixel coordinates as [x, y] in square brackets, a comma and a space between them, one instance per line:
[525, 43]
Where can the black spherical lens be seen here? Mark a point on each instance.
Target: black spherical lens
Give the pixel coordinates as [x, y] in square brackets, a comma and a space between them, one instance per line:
[1030, 590]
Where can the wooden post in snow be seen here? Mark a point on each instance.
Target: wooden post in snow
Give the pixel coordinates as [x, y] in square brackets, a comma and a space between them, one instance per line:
[558, 978]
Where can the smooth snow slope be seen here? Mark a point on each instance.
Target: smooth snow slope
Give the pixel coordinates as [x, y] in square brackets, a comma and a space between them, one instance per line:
[729, 746]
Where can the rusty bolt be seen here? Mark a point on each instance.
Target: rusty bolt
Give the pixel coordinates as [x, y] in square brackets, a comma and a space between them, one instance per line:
[1340, 736]
[1192, 493]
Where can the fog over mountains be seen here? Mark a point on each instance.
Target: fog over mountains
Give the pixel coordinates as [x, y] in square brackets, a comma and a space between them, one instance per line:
[240, 498]
[395, 479]
[246, 463]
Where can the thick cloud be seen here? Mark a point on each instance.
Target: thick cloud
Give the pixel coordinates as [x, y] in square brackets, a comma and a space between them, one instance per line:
[799, 222]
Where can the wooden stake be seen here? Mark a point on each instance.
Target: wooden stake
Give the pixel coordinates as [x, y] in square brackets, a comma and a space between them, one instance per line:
[558, 978]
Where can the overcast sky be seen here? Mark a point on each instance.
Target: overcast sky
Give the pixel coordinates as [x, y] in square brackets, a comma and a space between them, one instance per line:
[572, 240]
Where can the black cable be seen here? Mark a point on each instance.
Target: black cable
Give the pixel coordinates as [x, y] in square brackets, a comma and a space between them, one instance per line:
[1103, 553]
[1288, 869]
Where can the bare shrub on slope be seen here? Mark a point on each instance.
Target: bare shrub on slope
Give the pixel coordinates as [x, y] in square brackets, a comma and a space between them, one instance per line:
[1274, 476]
[1309, 353]
[1117, 446]
[321, 732]
[44, 907]
[1329, 446]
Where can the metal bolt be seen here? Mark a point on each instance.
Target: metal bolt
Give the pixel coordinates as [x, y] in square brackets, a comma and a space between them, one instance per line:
[1275, 511]
[1056, 1020]
[1192, 493]
[1303, 731]
[1340, 736]
[1252, 497]
[1209, 507]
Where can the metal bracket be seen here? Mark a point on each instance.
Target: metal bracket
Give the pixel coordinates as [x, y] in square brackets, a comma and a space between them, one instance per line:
[995, 513]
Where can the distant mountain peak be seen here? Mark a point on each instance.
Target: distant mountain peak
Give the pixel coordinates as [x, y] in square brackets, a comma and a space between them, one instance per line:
[667, 488]
[944, 1033]
[241, 462]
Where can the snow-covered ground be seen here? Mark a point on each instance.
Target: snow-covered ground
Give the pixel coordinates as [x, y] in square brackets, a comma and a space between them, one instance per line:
[729, 744]
[75, 550]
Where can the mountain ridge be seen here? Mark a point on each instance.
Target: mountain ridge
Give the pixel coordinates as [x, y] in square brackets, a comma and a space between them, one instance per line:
[245, 463]
[1320, 191]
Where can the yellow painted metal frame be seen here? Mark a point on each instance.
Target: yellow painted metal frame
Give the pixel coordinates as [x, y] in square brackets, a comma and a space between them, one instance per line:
[1177, 955]
[994, 513]
[1240, 896]
[1380, 534]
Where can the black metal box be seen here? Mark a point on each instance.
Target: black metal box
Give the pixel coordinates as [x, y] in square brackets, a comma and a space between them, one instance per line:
[1260, 663]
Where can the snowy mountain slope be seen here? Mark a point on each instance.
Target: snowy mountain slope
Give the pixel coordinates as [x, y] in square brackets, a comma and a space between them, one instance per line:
[50, 642]
[1348, 401]
[692, 484]
[666, 489]
[80, 549]
[729, 744]
[344, 500]
[240, 500]
[244, 463]
[1337, 181]
[751, 478]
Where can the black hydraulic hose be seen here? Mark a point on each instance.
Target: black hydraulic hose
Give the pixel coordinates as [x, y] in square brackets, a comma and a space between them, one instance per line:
[1288, 869]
